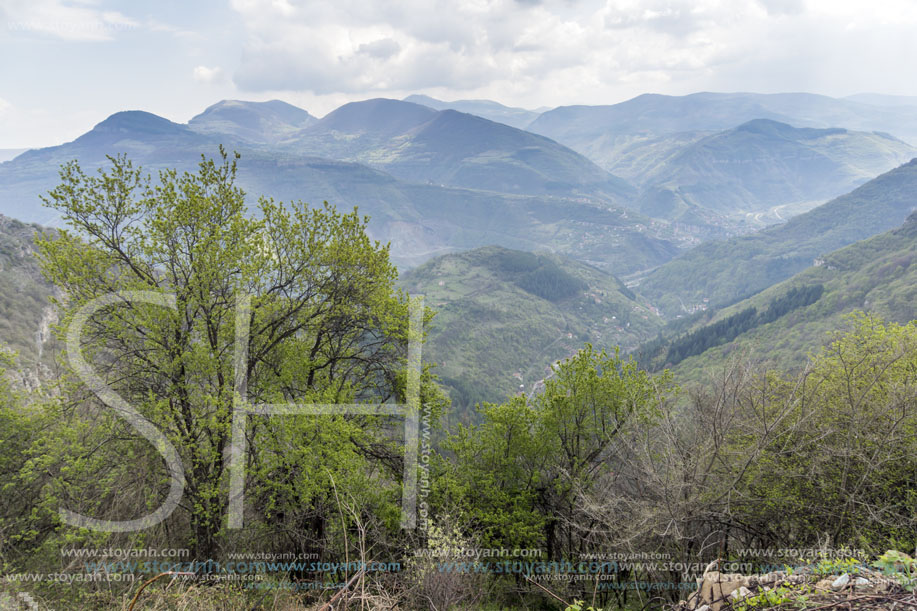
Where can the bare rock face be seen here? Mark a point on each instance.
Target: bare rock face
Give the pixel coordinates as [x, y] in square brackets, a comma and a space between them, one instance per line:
[715, 590]
[722, 591]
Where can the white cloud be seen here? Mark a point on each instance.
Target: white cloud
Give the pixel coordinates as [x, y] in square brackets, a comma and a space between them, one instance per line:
[535, 52]
[206, 75]
[383, 48]
[4, 106]
[73, 21]
[351, 46]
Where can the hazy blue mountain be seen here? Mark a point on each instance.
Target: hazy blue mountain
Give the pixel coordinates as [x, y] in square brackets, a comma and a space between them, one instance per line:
[147, 138]
[421, 220]
[763, 165]
[505, 316]
[252, 122]
[424, 220]
[602, 132]
[514, 117]
[7, 154]
[721, 272]
[373, 120]
[879, 99]
[416, 143]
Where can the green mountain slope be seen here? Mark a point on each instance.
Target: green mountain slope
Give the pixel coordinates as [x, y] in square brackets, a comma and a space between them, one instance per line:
[877, 275]
[721, 272]
[508, 115]
[504, 316]
[765, 164]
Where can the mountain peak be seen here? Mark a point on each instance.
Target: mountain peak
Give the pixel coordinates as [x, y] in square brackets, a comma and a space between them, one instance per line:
[241, 108]
[376, 115]
[261, 122]
[424, 100]
[138, 121]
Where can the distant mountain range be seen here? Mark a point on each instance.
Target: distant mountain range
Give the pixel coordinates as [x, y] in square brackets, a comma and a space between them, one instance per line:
[514, 117]
[719, 273]
[738, 161]
[566, 203]
[762, 168]
[597, 131]
[416, 143]
[436, 181]
[505, 316]
[878, 99]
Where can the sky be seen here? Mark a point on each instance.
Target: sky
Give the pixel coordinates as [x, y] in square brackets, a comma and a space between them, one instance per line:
[65, 65]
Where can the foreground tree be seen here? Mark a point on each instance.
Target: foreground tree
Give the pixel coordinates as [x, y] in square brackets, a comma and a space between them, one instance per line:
[325, 325]
[519, 475]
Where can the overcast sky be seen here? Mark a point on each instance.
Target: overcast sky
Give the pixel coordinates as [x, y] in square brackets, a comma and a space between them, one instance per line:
[67, 64]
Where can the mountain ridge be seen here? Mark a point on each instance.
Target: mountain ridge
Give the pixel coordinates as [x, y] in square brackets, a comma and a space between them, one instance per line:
[876, 275]
[251, 122]
[723, 272]
[489, 109]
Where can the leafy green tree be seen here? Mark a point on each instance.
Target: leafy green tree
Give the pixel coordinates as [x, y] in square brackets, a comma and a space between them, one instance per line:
[594, 400]
[13, 443]
[522, 474]
[496, 474]
[844, 465]
[326, 325]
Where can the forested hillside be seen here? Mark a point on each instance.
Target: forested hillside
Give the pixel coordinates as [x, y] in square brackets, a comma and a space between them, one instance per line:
[719, 273]
[874, 275]
[503, 317]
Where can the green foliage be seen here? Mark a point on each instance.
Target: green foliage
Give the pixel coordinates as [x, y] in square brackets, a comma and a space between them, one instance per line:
[578, 605]
[841, 458]
[326, 325]
[836, 566]
[517, 474]
[899, 565]
[781, 595]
